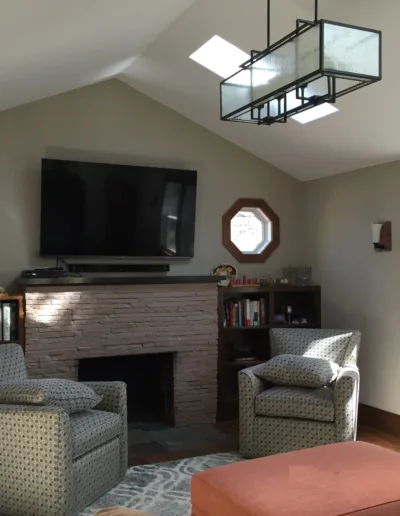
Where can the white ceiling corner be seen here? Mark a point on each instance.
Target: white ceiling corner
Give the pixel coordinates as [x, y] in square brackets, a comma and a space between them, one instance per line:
[48, 47]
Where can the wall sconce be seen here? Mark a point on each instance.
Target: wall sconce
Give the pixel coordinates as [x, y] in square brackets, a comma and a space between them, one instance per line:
[382, 236]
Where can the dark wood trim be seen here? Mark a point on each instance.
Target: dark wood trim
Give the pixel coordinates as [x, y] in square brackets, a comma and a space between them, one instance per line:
[271, 287]
[226, 230]
[379, 419]
[117, 280]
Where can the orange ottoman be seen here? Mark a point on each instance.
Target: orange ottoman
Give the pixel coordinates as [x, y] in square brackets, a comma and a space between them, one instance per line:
[351, 478]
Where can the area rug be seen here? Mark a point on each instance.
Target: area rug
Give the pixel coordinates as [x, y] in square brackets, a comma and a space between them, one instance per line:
[161, 489]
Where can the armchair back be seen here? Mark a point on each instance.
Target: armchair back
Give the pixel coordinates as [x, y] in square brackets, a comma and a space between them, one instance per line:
[340, 346]
[12, 363]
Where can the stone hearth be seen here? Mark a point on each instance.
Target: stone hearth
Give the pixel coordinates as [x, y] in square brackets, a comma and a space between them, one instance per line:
[67, 323]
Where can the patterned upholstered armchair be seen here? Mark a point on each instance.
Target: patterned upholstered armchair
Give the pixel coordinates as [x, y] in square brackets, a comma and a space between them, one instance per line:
[53, 463]
[279, 418]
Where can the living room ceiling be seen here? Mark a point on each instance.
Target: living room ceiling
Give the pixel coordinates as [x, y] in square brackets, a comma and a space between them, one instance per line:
[51, 46]
[362, 133]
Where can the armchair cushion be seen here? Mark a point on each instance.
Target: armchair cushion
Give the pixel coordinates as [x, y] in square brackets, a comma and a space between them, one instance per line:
[297, 402]
[66, 394]
[299, 371]
[92, 428]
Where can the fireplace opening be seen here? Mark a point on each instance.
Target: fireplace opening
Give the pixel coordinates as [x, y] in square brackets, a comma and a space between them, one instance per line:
[149, 379]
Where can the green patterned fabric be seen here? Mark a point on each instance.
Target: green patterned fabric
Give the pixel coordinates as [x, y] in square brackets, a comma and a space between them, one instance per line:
[339, 346]
[53, 463]
[36, 462]
[114, 400]
[346, 403]
[92, 428]
[281, 435]
[297, 402]
[284, 418]
[66, 394]
[12, 363]
[299, 371]
[250, 386]
[95, 473]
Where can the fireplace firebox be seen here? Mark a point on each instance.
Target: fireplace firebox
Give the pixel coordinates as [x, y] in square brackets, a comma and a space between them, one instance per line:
[149, 379]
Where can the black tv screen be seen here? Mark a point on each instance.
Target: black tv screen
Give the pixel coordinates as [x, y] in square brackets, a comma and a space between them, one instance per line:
[94, 209]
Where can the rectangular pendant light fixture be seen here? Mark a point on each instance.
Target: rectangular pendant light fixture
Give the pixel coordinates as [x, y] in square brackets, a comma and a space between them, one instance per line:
[317, 63]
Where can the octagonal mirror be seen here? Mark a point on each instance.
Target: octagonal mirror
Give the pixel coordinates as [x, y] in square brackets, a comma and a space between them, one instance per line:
[250, 230]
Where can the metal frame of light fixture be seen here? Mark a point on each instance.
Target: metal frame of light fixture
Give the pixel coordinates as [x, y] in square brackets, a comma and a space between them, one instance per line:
[260, 107]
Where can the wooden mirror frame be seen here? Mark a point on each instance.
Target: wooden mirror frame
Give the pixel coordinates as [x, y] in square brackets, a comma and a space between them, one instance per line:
[226, 231]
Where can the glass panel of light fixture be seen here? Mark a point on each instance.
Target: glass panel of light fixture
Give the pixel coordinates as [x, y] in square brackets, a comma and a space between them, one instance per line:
[236, 92]
[244, 117]
[286, 64]
[345, 84]
[282, 66]
[318, 87]
[352, 50]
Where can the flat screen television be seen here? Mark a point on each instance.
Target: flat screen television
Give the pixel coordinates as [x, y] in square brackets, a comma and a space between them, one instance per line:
[98, 209]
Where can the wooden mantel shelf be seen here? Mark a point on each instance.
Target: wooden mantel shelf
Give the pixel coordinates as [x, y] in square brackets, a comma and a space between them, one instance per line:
[116, 280]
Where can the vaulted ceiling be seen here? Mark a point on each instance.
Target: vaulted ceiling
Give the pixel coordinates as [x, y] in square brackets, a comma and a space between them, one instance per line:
[51, 46]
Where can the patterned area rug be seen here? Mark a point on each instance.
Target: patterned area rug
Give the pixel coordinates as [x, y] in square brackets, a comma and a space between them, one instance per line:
[160, 489]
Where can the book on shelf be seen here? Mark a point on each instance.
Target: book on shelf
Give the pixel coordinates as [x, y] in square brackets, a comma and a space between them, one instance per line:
[8, 321]
[14, 321]
[245, 313]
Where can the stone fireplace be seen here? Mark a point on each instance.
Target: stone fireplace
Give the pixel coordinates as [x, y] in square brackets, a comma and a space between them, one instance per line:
[68, 323]
[149, 382]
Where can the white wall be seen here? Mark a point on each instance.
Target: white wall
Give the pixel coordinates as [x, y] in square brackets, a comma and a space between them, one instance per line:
[112, 122]
[360, 287]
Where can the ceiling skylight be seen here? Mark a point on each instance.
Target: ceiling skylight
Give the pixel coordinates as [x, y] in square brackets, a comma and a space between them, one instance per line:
[224, 59]
[220, 56]
[314, 113]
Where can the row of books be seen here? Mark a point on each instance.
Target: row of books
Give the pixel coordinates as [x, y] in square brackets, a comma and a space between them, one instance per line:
[8, 321]
[245, 312]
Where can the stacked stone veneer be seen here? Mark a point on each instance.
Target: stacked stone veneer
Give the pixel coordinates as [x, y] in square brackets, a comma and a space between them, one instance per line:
[65, 324]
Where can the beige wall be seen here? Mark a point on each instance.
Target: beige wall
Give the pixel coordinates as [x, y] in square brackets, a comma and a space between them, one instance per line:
[361, 288]
[112, 122]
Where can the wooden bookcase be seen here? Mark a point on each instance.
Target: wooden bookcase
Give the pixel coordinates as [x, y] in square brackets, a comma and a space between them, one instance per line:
[17, 330]
[243, 346]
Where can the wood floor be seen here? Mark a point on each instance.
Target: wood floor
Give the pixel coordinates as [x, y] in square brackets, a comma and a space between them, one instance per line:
[384, 439]
[365, 433]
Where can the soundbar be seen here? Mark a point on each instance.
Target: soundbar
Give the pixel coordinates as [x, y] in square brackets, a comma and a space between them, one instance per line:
[104, 268]
[45, 272]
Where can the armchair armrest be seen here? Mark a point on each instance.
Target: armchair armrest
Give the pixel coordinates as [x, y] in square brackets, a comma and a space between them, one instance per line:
[346, 394]
[250, 386]
[36, 461]
[251, 382]
[114, 396]
[114, 400]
